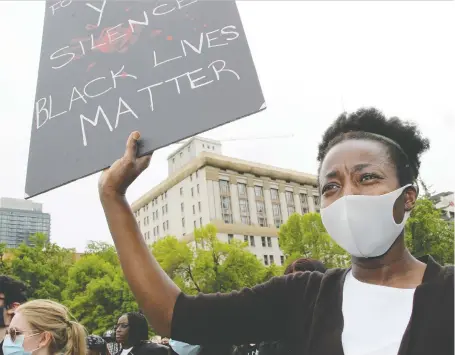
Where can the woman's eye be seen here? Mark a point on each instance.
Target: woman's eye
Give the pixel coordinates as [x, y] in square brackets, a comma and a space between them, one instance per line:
[328, 187]
[368, 177]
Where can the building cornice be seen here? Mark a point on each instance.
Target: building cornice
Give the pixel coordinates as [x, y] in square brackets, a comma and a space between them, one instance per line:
[226, 163]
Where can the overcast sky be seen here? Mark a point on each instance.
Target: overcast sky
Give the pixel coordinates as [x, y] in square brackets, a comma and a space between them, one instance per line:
[314, 60]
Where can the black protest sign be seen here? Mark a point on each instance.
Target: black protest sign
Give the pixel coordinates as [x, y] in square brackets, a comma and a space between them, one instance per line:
[170, 69]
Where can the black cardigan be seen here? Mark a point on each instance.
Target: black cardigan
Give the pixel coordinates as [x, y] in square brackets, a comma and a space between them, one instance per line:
[305, 311]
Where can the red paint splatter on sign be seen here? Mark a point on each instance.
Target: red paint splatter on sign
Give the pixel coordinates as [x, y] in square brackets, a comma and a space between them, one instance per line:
[91, 27]
[169, 38]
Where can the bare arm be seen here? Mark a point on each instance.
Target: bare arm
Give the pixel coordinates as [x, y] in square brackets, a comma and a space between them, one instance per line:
[155, 292]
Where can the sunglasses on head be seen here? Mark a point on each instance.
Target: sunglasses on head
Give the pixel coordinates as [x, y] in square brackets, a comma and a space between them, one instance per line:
[13, 333]
[121, 326]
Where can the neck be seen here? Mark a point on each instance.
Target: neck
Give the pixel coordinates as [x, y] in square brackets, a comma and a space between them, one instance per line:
[2, 333]
[396, 268]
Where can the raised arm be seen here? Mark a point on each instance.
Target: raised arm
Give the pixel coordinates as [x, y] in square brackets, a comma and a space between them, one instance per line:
[256, 314]
[155, 292]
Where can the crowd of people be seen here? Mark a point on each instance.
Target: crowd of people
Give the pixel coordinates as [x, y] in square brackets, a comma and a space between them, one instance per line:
[387, 303]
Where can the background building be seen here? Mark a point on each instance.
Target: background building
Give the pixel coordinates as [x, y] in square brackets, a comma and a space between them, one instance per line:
[244, 200]
[444, 202]
[19, 219]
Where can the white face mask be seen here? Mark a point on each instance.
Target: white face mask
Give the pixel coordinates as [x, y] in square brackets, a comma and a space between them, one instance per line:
[364, 225]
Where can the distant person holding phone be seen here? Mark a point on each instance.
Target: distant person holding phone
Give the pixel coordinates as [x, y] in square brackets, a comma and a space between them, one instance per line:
[387, 303]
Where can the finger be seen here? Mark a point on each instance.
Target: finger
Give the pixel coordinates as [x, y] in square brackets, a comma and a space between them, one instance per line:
[131, 146]
[143, 162]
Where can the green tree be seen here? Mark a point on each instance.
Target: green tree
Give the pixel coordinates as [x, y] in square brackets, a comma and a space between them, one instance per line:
[305, 236]
[43, 266]
[208, 265]
[96, 291]
[427, 233]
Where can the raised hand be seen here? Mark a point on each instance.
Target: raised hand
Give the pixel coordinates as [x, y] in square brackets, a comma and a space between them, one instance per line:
[117, 178]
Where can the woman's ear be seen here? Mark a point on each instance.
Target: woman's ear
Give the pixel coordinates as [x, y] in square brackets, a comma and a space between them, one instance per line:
[45, 340]
[410, 197]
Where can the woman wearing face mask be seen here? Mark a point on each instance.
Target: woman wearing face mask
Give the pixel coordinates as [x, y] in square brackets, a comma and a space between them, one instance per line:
[387, 303]
[43, 327]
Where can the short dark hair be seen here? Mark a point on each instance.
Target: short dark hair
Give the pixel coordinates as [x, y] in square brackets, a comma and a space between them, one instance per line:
[305, 264]
[14, 290]
[403, 139]
[138, 328]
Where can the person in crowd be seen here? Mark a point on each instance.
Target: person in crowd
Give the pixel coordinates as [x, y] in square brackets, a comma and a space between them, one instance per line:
[112, 346]
[12, 295]
[96, 345]
[131, 332]
[387, 302]
[44, 327]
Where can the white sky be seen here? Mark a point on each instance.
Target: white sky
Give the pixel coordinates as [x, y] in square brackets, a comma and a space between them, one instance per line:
[313, 59]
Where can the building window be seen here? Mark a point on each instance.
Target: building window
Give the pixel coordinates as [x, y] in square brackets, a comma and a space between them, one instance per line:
[165, 194]
[245, 238]
[157, 230]
[183, 222]
[266, 260]
[181, 154]
[191, 177]
[164, 226]
[245, 220]
[197, 189]
[163, 210]
[282, 259]
[226, 209]
[194, 209]
[197, 174]
[291, 210]
[263, 242]
[260, 207]
[200, 221]
[157, 214]
[269, 242]
[289, 198]
[167, 225]
[252, 242]
[162, 197]
[199, 206]
[224, 187]
[317, 203]
[262, 221]
[182, 207]
[242, 189]
[153, 215]
[277, 218]
[195, 225]
[258, 191]
[166, 208]
[181, 191]
[230, 238]
[188, 148]
[192, 192]
[304, 203]
[271, 260]
[274, 195]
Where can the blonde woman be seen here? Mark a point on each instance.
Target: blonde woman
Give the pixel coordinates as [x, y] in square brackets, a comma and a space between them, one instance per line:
[43, 327]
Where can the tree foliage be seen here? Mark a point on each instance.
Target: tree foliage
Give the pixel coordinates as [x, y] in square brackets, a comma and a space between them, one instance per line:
[42, 266]
[208, 265]
[305, 236]
[426, 233]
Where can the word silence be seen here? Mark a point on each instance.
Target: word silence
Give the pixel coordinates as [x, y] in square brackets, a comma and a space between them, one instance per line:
[171, 69]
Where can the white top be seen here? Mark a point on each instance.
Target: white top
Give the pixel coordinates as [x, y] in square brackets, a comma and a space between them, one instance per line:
[375, 317]
[126, 351]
